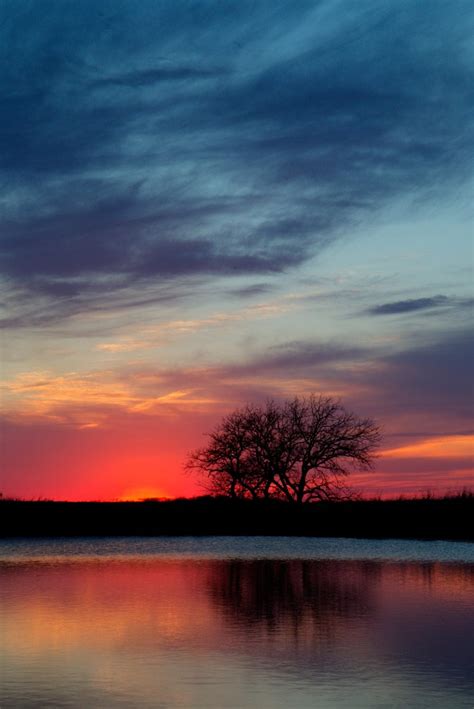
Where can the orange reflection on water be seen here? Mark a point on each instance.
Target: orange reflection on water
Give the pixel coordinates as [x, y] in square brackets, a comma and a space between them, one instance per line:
[139, 604]
[97, 605]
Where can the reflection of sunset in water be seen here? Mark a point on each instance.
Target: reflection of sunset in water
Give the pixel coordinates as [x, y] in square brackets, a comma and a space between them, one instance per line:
[195, 631]
[101, 606]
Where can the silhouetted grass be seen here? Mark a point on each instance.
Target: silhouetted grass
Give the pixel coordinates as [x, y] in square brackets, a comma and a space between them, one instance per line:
[428, 517]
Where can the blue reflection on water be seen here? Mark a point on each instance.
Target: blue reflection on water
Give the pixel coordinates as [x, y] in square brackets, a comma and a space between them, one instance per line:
[240, 548]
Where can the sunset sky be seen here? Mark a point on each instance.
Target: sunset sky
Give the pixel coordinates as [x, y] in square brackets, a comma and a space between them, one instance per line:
[205, 204]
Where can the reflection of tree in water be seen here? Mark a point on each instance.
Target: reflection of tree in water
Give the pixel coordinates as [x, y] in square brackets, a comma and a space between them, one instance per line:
[291, 595]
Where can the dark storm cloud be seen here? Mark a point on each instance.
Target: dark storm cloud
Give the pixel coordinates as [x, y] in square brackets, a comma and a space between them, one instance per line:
[147, 140]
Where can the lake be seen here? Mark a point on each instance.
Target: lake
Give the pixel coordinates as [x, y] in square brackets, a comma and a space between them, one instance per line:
[236, 622]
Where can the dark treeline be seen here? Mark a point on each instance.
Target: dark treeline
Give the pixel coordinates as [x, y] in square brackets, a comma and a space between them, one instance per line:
[421, 518]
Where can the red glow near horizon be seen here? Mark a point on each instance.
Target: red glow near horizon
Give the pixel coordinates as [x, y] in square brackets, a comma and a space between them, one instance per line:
[146, 461]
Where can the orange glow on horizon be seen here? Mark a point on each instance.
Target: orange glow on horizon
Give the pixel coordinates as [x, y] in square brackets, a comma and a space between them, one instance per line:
[143, 493]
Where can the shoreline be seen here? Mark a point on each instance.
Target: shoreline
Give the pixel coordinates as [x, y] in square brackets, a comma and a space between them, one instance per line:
[443, 519]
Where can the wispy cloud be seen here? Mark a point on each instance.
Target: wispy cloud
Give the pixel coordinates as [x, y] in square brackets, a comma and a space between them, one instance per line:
[167, 71]
[154, 336]
[412, 305]
[90, 399]
[438, 447]
[248, 150]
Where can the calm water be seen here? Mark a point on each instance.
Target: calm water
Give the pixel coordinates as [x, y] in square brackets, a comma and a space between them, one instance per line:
[236, 622]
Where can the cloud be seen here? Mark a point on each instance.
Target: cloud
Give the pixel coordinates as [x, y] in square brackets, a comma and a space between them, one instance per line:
[252, 290]
[435, 376]
[437, 447]
[421, 391]
[147, 77]
[415, 304]
[91, 299]
[155, 335]
[409, 306]
[92, 399]
[252, 139]
[424, 389]
[306, 356]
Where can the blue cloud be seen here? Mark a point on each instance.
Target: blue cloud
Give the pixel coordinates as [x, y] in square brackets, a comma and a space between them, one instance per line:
[410, 305]
[168, 140]
[413, 305]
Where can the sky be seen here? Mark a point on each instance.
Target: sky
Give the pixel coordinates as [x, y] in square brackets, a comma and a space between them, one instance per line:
[205, 204]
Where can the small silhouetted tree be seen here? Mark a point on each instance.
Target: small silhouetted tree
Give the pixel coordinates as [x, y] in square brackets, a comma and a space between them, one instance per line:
[301, 450]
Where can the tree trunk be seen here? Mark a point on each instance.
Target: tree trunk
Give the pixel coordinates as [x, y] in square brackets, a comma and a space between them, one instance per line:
[301, 485]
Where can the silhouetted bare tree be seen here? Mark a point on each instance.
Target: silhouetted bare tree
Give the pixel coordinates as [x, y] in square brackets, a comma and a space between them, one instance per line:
[330, 443]
[226, 461]
[300, 451]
